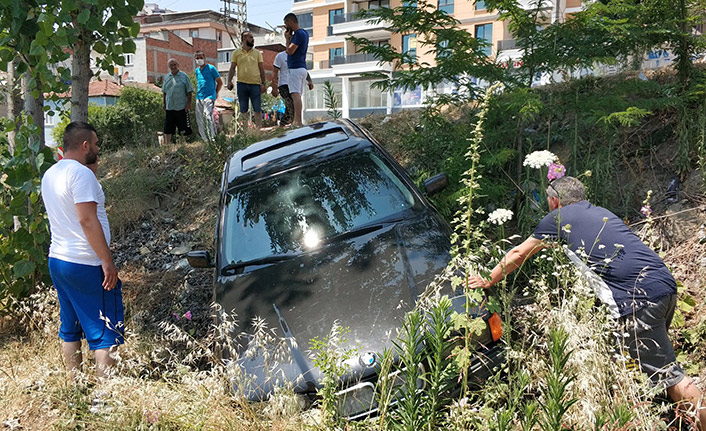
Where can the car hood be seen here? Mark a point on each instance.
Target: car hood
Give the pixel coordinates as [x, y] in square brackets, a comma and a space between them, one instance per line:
[364, 284]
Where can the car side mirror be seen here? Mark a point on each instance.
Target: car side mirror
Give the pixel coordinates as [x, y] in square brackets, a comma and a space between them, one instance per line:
[199, 259]
[436, 184]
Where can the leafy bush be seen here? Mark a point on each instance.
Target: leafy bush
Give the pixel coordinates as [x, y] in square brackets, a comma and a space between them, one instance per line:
[118, 126]
[134, 121]
[147, 105]
[24, 229]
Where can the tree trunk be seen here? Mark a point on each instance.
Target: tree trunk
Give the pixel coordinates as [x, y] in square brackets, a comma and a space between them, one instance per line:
[14, 102]
[34, 106]
[80, 77]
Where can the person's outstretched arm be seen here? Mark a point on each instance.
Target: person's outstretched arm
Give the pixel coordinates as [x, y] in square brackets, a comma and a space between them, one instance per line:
[510, 262]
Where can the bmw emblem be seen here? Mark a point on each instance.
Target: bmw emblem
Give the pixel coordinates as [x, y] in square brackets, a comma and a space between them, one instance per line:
[367, 359]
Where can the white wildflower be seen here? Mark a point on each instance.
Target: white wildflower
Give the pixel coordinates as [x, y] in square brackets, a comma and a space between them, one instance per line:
[601, 247]
[500, 216]
[539, 159]
[616, 245]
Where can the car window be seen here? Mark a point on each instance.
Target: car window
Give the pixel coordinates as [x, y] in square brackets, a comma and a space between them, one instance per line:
[294, 210]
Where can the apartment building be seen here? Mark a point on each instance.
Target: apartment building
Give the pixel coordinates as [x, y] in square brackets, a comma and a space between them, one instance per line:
[166, 34]
[332, 58]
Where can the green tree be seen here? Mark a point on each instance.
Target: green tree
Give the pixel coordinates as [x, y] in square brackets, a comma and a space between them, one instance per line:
[461, 59]
[105, 26]
[24, 231]
[38, 33]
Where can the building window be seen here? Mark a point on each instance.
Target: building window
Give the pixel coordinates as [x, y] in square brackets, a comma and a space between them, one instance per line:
[50, 118]
[485, 32]
[129, 59]
[409, 45]
[332, 14]
[224, 56]
[364, 95]
[335, 52]
[446, 6]
[378, 4]
[194, 33]
[315, 99]
[306, 22]
[442, 49]
[219, 36]
[480, 5]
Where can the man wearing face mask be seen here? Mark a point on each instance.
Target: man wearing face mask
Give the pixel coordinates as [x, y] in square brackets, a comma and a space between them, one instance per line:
[251, 78]
[208, 84]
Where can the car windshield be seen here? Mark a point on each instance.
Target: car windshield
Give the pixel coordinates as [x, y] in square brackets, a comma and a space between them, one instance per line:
[297, 210]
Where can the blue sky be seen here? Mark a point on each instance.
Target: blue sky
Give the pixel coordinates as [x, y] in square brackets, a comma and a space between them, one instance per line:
[260, 12]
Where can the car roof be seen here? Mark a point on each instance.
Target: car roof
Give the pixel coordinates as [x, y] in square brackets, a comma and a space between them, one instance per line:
[294, 148]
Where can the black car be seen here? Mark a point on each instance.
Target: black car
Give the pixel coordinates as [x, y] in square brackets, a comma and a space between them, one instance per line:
[319, 225]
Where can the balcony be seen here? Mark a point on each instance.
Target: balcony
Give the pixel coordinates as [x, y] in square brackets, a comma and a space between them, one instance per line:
[354, 64]
[507, 44]
[350, 23]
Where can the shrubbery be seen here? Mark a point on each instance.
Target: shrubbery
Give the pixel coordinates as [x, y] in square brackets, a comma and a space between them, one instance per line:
[133, 121]
[24, 230]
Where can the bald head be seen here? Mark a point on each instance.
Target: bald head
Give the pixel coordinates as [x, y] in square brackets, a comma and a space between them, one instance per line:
[173, 66]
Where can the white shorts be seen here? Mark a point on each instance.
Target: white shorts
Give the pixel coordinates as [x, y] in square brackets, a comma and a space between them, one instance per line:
[296, 80]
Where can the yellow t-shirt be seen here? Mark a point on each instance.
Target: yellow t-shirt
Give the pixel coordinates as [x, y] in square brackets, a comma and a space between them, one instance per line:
[247, 65]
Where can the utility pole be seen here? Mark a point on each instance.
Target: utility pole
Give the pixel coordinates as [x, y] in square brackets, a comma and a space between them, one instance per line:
[235, 10]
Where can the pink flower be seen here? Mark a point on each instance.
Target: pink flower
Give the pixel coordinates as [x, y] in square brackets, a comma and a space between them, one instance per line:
[187, 315]
[646, 210]
[176, 316]
[152, 416]
[556, 171]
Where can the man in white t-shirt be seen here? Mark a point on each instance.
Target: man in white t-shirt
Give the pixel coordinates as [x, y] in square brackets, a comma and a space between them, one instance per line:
[280, 77]
[80, 262]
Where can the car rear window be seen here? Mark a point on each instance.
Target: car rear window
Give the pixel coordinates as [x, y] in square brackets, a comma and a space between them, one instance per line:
[276, 215]
[285, 148]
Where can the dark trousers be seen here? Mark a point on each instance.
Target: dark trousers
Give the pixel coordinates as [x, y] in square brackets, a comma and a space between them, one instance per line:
[288, 104]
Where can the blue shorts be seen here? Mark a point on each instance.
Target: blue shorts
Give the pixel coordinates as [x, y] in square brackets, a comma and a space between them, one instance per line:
[86, 309]
[249, 93]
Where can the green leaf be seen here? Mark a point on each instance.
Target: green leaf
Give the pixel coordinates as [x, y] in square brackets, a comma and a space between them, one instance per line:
[23, 268]
[685, 307]
[129, 46]
[39, 161]
[99, 47]
[84, 16]
[135, 29]
[36, 48]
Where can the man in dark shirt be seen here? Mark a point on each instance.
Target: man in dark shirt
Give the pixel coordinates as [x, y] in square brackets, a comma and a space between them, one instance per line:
[640, 291]
[296, 62]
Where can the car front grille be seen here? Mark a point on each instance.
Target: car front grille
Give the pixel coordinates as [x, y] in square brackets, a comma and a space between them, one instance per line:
[360, 400]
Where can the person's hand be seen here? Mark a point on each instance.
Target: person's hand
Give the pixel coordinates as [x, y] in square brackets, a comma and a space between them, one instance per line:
[311, 85]
[111, 274]
[476, 282]
[262, 89]
[230, 86]
[275, 91]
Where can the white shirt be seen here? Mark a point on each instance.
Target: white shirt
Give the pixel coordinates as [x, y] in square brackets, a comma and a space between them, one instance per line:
[64, 185]
[281, 64]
